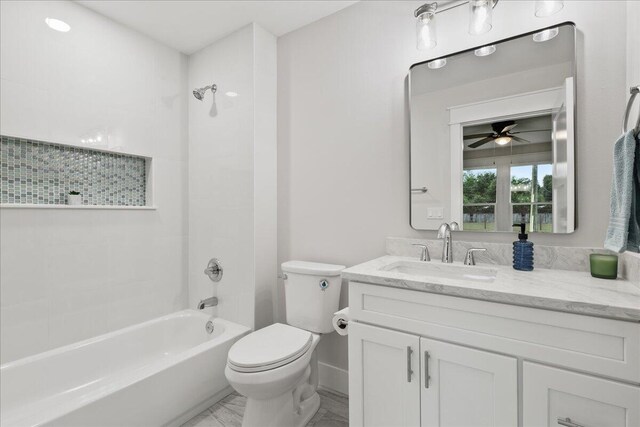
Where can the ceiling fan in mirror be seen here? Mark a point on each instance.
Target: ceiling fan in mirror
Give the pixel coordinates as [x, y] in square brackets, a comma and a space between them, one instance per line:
[501, 134]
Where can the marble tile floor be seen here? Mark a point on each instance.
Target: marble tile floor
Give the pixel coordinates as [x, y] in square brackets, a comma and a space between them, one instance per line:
[333, 412]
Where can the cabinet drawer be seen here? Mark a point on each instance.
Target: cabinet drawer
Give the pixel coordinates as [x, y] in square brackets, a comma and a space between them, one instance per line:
[601, 346]
[554, 397]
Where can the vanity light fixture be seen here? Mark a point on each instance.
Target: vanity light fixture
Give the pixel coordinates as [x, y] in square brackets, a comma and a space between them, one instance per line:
[485, 50]
[437, 63]
[480, 17]
[58, 25]
[545, 35]
[426, 26]
[546, 8]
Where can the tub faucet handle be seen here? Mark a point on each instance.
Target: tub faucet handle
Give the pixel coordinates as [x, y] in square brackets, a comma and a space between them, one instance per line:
[214, 270]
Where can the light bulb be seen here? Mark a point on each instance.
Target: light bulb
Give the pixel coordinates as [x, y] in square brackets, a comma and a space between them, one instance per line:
[426, 26]
[546, 8]
[503, 140]
[480, 15]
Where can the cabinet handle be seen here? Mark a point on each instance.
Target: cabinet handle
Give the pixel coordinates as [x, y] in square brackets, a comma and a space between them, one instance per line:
[567, 422]
[426, 369]
[409, 371]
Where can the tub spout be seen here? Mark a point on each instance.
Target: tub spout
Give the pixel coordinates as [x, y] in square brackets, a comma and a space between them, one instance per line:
[208, 302]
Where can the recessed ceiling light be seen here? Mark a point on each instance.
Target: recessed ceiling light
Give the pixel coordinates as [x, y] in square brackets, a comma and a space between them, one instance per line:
[545, 35]
[486, 50]
[58, 25]
[438, 63]
[503, 140]
[231, 94]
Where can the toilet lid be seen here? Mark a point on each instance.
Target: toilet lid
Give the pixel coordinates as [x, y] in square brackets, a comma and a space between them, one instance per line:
[269, 348]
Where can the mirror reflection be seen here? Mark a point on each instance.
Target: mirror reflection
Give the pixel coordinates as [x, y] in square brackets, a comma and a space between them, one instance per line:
[492, 136]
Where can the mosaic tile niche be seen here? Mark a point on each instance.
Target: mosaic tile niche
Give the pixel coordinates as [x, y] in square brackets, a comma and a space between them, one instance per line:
[41, 173]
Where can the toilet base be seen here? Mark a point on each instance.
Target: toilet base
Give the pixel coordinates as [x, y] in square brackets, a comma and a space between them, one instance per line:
[279, 412]
[308, 409]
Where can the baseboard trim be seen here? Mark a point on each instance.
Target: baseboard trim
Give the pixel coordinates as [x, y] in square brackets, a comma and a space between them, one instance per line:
[333, 378]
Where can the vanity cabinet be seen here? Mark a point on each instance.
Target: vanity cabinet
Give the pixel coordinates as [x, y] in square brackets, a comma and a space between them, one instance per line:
[418, 358]
[383, 367]
[557, 397]
[466, 387]
[399, 379]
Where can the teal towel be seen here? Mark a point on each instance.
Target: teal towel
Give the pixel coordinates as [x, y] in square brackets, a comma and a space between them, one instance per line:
[623, 233]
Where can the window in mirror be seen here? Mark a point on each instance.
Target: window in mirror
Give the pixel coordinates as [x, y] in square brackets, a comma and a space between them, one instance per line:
[531, 197]
[479, 199]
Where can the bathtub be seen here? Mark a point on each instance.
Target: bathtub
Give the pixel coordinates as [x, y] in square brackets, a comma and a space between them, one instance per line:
[160, 372]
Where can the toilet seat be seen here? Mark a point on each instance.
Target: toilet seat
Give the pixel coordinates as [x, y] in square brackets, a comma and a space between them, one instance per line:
[269, 348]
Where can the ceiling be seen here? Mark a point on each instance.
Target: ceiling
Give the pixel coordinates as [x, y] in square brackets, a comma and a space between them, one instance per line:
[517, 55]
[190, 25]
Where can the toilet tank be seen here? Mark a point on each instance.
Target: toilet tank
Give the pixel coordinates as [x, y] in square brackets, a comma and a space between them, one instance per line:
[312, 294]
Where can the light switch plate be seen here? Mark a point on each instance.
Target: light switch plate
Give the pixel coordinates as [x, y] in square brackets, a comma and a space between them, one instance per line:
[435, 213]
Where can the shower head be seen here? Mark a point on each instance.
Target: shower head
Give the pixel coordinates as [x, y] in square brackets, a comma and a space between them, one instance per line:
[199, 93]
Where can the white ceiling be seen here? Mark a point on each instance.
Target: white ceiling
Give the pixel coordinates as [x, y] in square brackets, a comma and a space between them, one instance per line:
[190, 25]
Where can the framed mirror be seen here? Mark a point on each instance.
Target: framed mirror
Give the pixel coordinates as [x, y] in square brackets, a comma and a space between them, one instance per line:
[493, 135]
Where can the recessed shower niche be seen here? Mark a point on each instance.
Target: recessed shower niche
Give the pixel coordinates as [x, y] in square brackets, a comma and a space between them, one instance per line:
[43, 174]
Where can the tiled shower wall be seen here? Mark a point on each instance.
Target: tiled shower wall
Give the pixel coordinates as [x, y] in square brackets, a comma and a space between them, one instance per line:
[35, 172]
[71, 274]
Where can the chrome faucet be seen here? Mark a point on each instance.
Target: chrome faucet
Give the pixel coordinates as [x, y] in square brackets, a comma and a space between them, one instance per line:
[470, 259]
[444, 232]
[424, 253]
[207, 302]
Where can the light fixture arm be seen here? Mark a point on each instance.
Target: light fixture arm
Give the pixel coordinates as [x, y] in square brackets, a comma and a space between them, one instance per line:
[426, 8]
[453, 5]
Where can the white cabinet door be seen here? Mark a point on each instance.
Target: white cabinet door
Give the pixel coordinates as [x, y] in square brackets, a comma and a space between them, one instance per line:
[384, 377]
[465, 387]
[555, 397]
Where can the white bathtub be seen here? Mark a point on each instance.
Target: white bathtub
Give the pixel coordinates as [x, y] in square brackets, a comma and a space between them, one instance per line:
[156, 373]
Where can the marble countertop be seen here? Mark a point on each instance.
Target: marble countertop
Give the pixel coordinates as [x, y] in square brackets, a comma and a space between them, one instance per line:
[568, 291]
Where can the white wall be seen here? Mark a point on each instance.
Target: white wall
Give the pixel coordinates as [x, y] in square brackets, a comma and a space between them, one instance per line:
[66, 275]
[232, 178]
[633, 53]
[343, 149]
[265, 163]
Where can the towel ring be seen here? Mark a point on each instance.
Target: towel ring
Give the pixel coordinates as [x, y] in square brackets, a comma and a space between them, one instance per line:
[634, 90]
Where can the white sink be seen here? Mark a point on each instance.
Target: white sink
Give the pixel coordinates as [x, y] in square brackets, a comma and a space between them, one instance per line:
[436, 269]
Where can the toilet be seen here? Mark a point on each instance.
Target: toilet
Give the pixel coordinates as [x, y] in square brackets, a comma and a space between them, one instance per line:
[276, 367]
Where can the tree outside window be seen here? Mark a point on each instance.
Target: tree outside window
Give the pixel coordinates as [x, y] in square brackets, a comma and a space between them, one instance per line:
[479, 199]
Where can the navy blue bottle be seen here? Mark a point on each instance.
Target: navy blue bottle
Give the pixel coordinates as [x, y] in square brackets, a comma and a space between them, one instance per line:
[523, 251]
